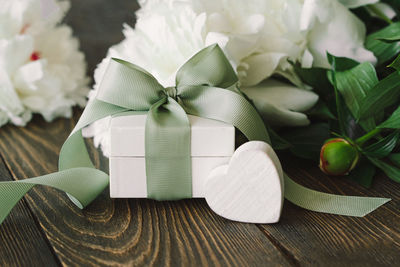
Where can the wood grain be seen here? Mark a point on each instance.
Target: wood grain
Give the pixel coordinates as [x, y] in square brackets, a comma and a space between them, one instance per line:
[126, 232]
[21, 238]
[330, 240]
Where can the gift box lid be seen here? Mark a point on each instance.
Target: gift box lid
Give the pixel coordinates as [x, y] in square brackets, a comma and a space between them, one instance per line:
[209, 138]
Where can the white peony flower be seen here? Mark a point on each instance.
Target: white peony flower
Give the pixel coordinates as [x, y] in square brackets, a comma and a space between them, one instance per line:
[41, 68]
[332, 28]
[259, 38]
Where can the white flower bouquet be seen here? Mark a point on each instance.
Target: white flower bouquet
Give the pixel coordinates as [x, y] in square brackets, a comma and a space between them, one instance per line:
[261, 39]
[41, 69]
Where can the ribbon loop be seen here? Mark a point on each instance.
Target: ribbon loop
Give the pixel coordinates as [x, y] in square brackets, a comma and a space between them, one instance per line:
[227, 106]
[207, 67]
[129, 86]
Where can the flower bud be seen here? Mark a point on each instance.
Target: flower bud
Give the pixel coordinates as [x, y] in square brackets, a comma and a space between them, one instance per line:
[338, 157]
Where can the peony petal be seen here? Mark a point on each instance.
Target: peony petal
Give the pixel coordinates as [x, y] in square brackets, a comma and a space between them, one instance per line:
[217, 22]
[252, 25]
[357, 3]
[35, 103]
[279, 117]
[283, 95]
[307, 59]
[11, 108]
[49, 8]
[280, 103]
[291, 75]
[260, 67]
[15, 52]
[20, 119]
[384, 8]
[9, 100]
[242, 46]
[27, 75]
[312, 11]
[327, 34]
[217, 38]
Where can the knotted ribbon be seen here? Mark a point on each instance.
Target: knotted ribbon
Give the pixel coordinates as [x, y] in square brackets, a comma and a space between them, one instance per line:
[206, 86]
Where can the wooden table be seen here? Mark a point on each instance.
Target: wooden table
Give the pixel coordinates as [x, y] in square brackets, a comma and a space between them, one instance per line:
[46, 229]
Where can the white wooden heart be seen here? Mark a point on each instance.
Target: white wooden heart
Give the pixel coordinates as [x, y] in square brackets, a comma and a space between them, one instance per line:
[250, 188]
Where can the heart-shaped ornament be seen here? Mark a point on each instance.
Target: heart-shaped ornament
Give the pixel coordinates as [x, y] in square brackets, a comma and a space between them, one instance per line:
[250, 188]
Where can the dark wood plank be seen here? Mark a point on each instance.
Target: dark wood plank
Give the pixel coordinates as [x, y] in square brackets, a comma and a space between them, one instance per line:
[22, 241]
[134, 232]
[329, 240]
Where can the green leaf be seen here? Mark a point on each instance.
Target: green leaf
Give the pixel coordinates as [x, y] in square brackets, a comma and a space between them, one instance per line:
[395, 158]
[342, 63]
[383, 147]
[378, 13]
[393, 122]
[363, 174]
[395, 4]
[383, 95]
[382, 50]
[341, 113]
[395, 38]
[396, 63]
[307, 141]
[352, 129]
[353, 85]
[316, 78]
[321, 111]
[278, 143]
[391, 171]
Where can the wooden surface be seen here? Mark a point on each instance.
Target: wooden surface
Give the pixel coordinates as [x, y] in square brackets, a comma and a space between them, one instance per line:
[46, 229]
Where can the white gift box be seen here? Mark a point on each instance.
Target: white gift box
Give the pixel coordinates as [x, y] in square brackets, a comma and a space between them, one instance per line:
[212, 145]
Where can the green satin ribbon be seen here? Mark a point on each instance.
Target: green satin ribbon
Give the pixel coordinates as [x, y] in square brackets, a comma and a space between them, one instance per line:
[206, 86]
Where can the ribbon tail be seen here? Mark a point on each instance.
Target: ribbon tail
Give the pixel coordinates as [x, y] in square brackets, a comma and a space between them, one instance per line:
[73, 152]
[82, 184]
[10, 194]
[77, 176]
[328, 203]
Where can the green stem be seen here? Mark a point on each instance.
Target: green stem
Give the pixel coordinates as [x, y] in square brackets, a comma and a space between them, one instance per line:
[360, 141]
[379, 13]
[337, 98]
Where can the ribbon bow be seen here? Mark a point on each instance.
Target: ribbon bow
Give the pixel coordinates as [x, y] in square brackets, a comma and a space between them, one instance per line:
[206, 86]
